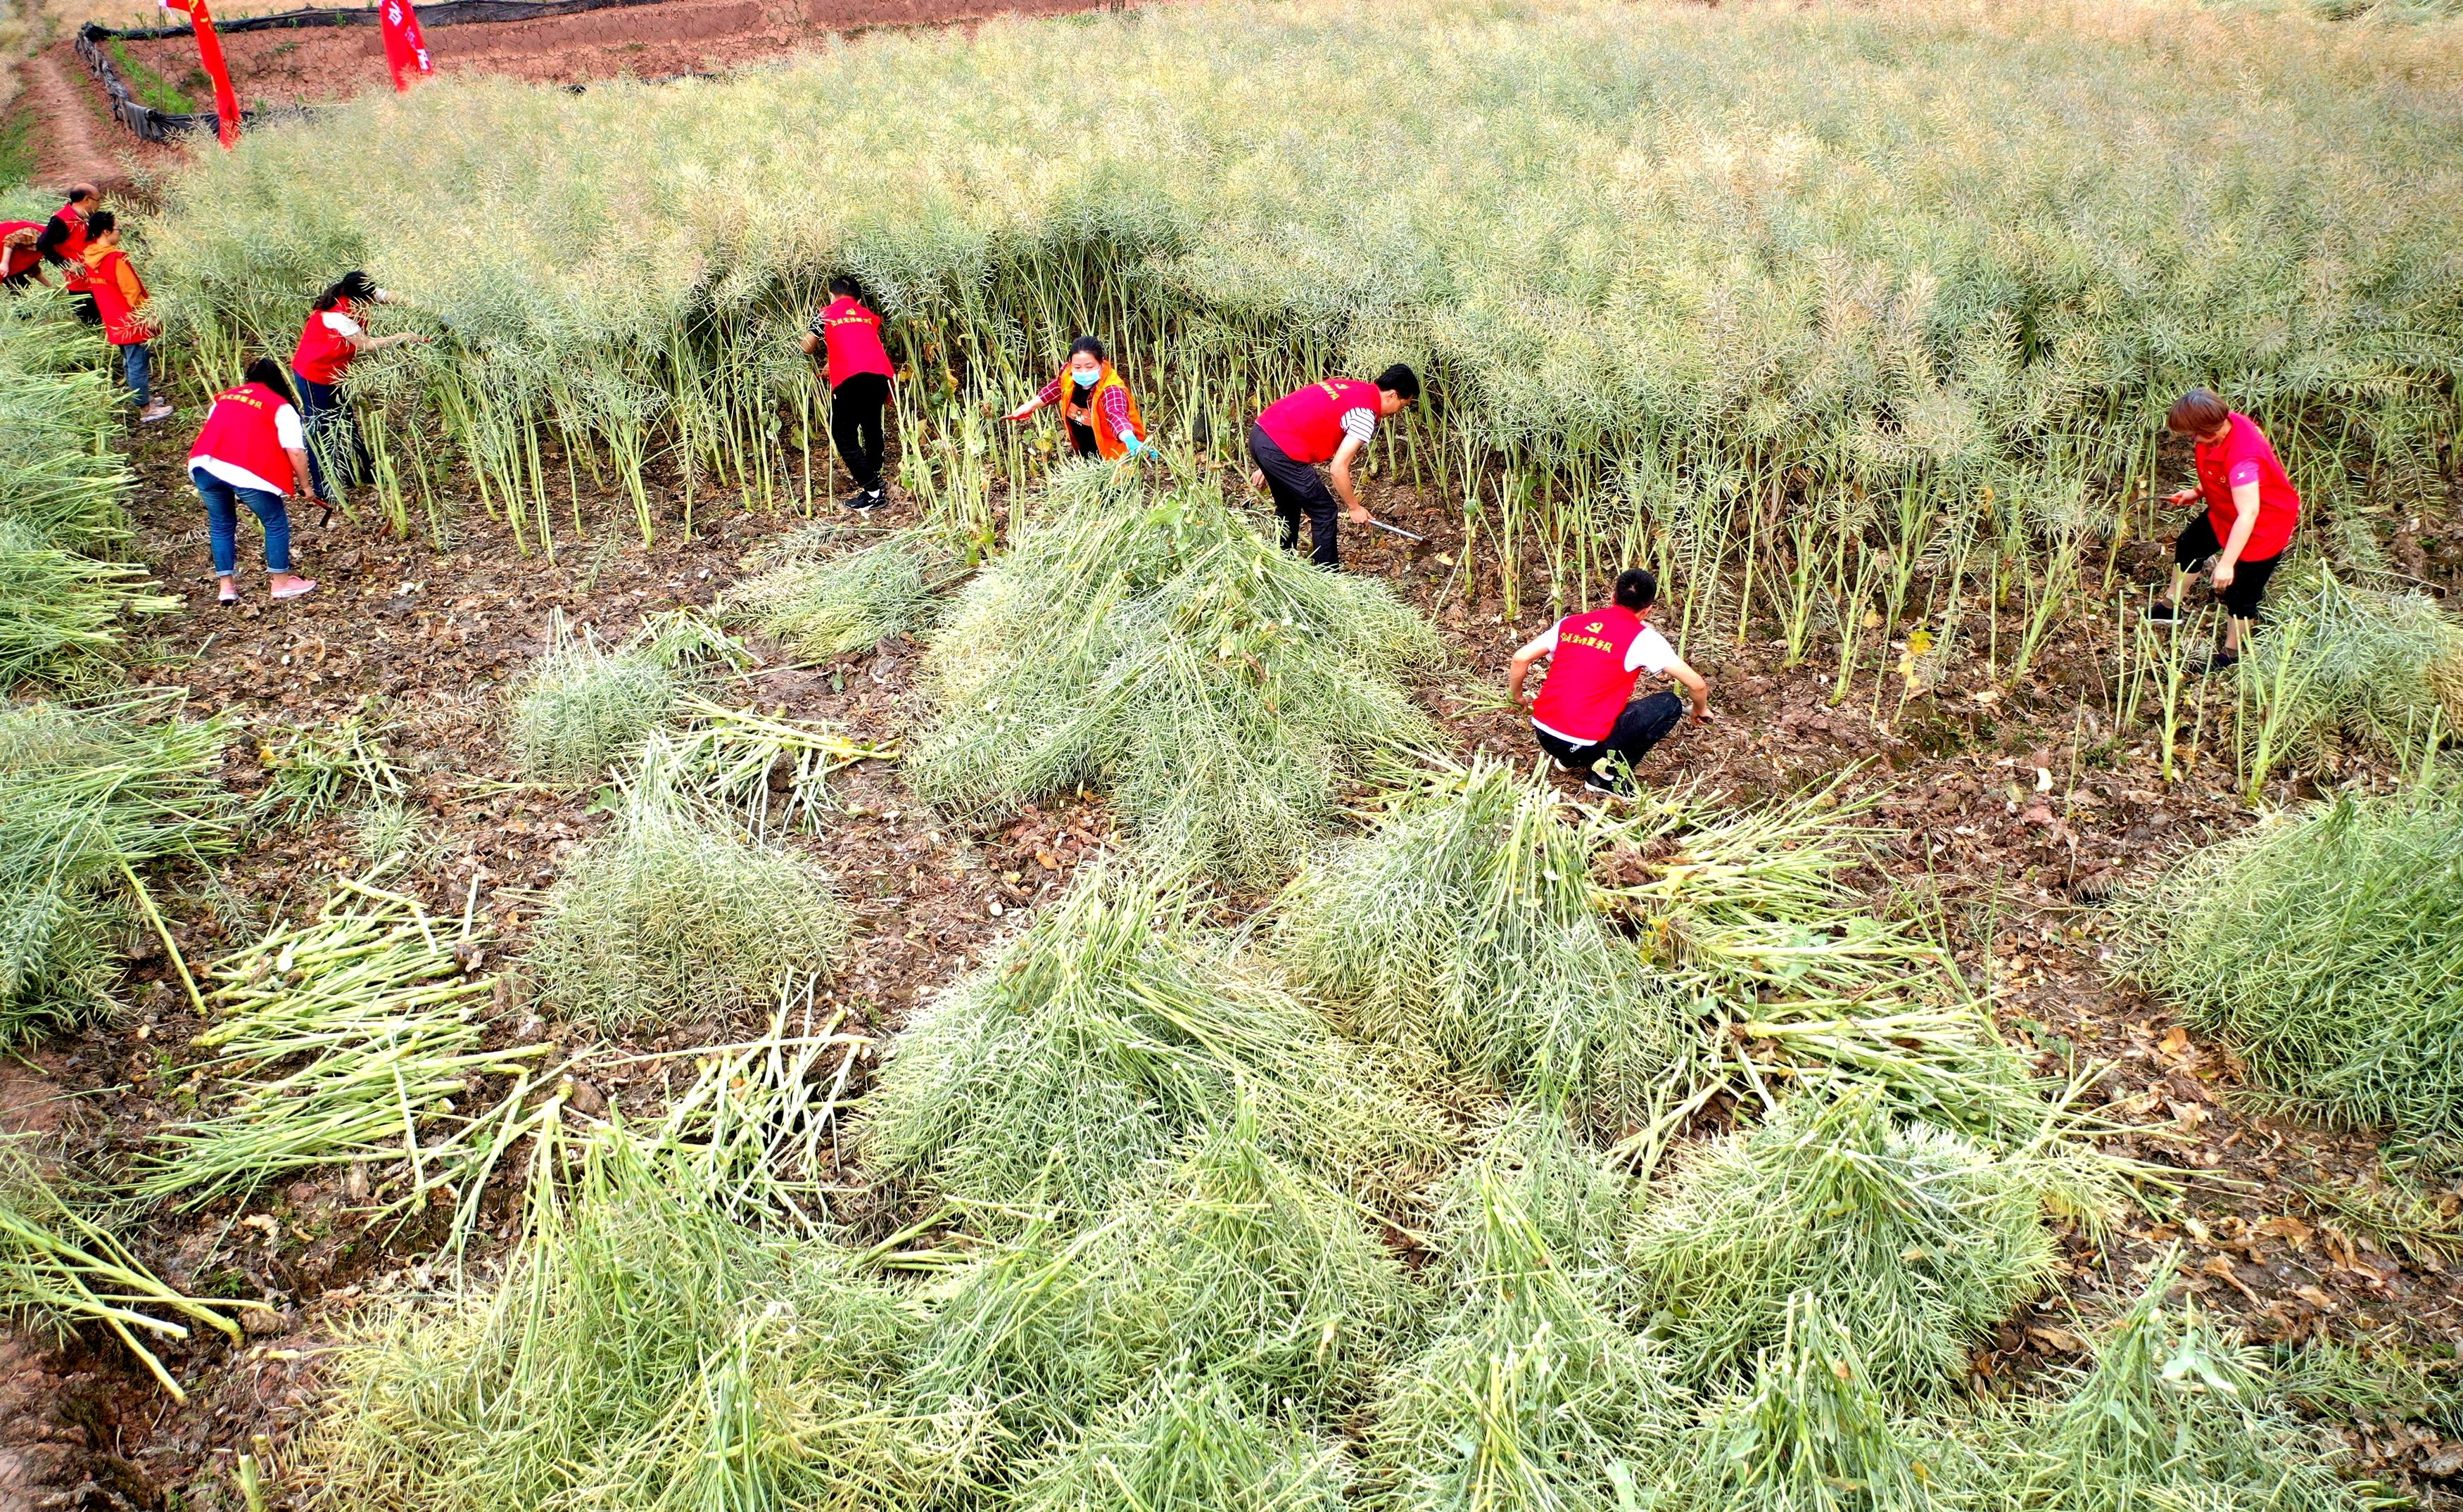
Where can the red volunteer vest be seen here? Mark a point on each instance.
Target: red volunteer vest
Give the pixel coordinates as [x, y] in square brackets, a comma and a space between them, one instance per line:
[74, 248]
[240, 431]
[323, 353]
[1587, 683]
[851, 336]
[1307, 423]
[18, 259]
[120, 326]
[2279, 503]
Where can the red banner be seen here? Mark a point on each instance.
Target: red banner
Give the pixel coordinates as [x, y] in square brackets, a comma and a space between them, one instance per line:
[405, 50]
[209, 56]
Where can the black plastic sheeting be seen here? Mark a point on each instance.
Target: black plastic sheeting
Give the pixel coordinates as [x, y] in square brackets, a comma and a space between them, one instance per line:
[163, 125]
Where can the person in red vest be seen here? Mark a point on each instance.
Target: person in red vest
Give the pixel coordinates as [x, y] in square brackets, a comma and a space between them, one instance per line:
[1327, 422]
[62, 244]
[1586, 710]
[2250, 510]
[1097, 409]
[327, 343]
[847, 335]
[20, 264]
[253, 450]
[119, 297]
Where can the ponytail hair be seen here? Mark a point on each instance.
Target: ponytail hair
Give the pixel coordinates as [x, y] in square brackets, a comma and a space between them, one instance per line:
[353, 285]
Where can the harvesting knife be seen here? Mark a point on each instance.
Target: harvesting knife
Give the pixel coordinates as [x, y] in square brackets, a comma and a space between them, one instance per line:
[1397, 530]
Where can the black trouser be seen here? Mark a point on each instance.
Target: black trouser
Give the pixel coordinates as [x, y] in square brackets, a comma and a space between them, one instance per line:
[87, 311]
[332, 435]
[2198, 545]
[1081, 439]
[855, 425]
[1644, 724]
[1297, 490]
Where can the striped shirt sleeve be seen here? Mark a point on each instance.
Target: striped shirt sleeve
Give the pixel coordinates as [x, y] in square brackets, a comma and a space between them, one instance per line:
[1360, 424]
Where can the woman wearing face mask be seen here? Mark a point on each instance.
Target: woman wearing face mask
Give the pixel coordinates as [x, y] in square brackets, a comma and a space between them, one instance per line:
[1095, 405]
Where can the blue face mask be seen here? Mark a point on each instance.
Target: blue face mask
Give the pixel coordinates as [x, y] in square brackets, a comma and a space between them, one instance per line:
[1085, 380]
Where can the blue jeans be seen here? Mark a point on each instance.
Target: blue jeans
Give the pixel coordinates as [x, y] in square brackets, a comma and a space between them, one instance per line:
[140, 372]
[222, 522]
[332, 432]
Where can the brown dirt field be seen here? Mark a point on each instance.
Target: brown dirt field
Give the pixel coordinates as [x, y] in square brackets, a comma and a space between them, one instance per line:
[650, 41]
[423, 640]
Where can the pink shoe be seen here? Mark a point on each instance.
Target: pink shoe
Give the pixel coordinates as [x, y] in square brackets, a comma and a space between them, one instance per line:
[304, 587]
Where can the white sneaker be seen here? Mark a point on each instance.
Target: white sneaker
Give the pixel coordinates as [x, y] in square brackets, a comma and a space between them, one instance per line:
[156, 412]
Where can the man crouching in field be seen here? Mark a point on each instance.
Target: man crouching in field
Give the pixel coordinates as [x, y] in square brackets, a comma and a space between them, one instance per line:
[1580, 714]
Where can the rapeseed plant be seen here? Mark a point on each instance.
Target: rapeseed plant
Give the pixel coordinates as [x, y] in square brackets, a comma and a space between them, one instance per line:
[2325, 948]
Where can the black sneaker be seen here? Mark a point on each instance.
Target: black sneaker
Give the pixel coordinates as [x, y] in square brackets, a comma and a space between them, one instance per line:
[1600, 782]
[869, 499]
[2218, 663]
[2163, 614]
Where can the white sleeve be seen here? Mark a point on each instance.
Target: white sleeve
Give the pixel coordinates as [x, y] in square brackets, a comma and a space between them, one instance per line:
[1650, 652]
[1360, 424]
[1548, 641]
[342, 325]
[288, 430]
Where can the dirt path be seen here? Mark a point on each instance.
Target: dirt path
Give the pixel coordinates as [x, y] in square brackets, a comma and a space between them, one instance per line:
[77, 138]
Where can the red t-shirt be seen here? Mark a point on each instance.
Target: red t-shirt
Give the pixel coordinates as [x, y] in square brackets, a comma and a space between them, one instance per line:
[2245, 457]
[16, 260]
[851, 336]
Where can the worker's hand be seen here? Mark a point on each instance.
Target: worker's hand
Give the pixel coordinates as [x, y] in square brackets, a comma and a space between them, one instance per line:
[1359, 514]
[1138, 448]
[416, 338]
[2181, 496]
[1021, 412]
[1528, 697]
[2223, 574]
[1701, 716]
[1256, 480]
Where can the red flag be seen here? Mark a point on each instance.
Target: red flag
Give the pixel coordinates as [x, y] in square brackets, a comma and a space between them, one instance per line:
[209, 56]
[405, 50]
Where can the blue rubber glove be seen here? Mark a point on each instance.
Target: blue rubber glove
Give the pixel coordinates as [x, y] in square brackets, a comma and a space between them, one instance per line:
[1138, 448]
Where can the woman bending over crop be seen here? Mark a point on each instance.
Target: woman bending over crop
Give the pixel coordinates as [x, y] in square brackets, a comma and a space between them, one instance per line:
[2250, 510]
[252, 449]
[1097, 409]
[847, 335]
[1327, 422]
[332, 337]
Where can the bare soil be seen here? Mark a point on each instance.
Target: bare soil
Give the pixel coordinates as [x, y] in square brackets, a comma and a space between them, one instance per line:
[2001, 802]
[649, 41]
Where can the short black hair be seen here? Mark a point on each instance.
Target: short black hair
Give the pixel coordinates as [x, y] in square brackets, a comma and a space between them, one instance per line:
[1399, 380]
[268, 372]
[1092, 347]
[845, 284]
[79, 194]
[353, 285]
[1636, 588]
[100, 222]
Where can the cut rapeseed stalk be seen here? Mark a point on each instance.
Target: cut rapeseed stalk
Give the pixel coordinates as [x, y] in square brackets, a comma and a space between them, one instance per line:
[320, 772]
[2326, 949]
[1813, 1435]
[1220, 686]
[1535, 1181]
[1466, 926]
[1532, 1398]
[93, 793]
[674, 914]
[59, 609]
[1187, 1445]
[60, 1268]
[774, 770]
[2368, 669]
[1226, 1264]
[353, 1038]
[822, 605]
[643, 1352]
[755, 1134]
[2174, 1414]
[1096, 1041]
[582, 707]
[1914, 1240]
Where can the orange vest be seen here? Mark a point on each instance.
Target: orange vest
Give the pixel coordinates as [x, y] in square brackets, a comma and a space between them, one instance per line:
[121, 325]
[1089, 411]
